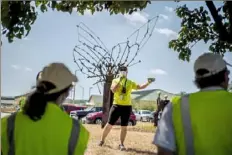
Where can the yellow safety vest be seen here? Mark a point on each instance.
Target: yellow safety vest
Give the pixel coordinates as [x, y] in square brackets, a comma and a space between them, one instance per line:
[202, 123]
[55, 134]
[22, 102]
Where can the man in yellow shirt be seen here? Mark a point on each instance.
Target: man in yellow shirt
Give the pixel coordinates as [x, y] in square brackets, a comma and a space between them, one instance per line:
[121, 87]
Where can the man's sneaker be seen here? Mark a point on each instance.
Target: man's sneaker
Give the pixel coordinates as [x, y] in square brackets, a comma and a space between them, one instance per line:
[100, 143]
[122, 147]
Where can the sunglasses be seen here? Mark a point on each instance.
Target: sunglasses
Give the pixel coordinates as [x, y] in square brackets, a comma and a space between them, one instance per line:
[123, 69]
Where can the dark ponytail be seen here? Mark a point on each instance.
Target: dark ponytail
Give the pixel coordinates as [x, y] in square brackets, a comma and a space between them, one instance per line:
[36, 102]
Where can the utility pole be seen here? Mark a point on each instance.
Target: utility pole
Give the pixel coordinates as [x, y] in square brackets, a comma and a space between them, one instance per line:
[90, 88]
[94, 60]
[83, 90]
[74, 89]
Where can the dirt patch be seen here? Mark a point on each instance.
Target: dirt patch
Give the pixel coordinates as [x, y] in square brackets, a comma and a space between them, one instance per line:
[140, 127]
[8, 110]
[137, 143]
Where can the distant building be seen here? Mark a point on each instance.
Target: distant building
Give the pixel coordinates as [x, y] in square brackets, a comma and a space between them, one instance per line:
[80, 102]
[7, 104]
[7, 101]
[95, 100]
[150, 95]
[137, 96]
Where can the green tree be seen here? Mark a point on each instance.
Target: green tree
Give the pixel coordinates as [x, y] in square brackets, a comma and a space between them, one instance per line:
[143, 105]
[18, 16]
[198, 25]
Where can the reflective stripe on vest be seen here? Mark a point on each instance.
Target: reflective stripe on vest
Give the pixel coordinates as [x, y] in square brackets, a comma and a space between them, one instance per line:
[187, 127]
[73, 139]
[10, 133]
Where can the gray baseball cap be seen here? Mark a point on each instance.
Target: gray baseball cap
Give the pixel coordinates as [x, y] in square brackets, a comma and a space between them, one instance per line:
[59, 75]
[213, 63]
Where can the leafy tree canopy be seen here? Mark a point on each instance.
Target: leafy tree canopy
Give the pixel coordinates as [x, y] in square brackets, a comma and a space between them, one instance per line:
[18, 16]
[213, 27]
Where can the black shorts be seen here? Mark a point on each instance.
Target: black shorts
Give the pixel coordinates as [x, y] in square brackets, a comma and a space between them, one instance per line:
[119, 111]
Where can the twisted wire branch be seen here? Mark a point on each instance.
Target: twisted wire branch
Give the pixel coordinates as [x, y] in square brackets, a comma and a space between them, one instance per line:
[94, 60]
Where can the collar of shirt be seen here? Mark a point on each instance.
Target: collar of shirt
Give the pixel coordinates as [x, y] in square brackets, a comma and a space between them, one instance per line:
[212, 88]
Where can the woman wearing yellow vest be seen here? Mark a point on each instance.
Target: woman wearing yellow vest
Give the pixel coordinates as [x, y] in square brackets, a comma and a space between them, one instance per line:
[199, 123]
[42, 128]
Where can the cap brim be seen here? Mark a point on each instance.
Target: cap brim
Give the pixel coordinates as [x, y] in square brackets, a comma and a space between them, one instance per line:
[75, 80]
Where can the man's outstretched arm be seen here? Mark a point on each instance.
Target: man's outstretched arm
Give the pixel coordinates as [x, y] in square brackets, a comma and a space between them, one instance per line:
[143, 86]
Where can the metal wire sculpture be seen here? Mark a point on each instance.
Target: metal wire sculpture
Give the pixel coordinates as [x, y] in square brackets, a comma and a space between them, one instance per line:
[94, 60]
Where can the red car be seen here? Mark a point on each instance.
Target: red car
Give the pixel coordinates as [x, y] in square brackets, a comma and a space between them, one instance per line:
[96, 118]
[71, 107]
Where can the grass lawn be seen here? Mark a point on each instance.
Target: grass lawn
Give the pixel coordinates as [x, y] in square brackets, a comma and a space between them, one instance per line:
[138, 141]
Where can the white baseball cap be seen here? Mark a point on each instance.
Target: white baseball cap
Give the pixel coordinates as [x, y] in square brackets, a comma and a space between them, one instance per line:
[59, 75]
[214, 63]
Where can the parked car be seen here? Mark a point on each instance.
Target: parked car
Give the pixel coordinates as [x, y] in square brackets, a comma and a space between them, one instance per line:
[96, 118]
[143, 115]
[78, 114]
[72, 107]
[151, 117]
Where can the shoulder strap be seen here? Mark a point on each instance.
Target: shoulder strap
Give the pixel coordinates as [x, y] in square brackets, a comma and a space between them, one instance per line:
[10, 133]
[187, 126]
[125, 83]
[74, 137]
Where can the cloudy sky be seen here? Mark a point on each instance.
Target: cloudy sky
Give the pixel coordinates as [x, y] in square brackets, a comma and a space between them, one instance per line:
[54, 35]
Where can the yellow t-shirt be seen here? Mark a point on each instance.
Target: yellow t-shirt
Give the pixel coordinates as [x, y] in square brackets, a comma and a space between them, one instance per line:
[119, 97]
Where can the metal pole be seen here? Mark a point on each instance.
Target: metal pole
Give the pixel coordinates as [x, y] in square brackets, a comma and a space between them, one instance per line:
[74, 89]
[83, 89]
[90, 88]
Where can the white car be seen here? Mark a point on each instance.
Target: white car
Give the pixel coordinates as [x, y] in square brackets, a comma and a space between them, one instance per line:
[143, 115]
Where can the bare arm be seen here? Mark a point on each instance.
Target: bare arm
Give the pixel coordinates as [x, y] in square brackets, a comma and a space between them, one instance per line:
[143, 86]
[162, 151]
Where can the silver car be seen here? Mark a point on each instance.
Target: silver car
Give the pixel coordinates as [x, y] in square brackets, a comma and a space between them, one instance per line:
[143, 115]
